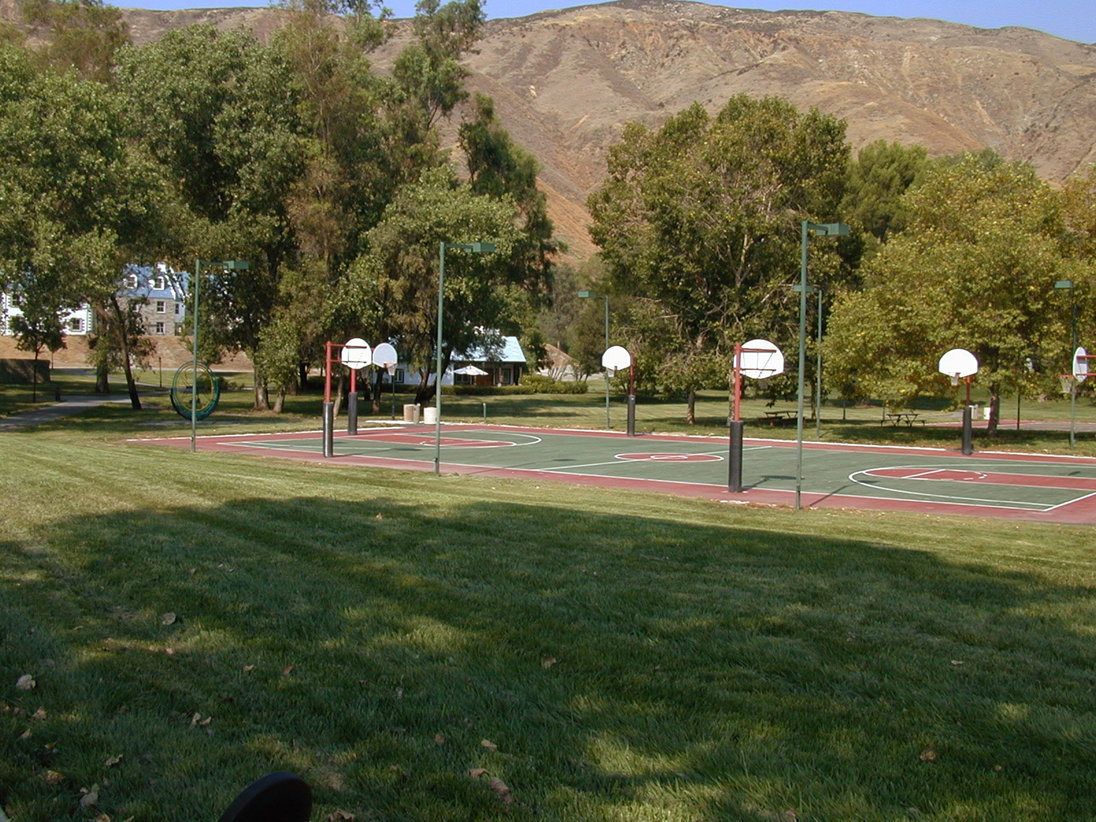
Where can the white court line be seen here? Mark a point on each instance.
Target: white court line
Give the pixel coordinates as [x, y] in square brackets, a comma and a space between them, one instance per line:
[1024, 505]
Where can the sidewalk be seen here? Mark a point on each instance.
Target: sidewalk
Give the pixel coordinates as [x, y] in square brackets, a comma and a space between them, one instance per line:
[55, 411]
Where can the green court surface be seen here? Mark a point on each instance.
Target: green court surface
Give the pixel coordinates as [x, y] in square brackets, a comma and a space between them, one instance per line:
[1056, 489]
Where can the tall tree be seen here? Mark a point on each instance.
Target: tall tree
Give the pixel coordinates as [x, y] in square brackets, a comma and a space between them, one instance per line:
[497, 166]
[975, 269]
[881, 173]
[393, 287]
[700, 220]
[84, 203]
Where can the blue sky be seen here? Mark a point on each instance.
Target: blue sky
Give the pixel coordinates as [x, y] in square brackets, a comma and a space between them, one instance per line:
[1072, 19]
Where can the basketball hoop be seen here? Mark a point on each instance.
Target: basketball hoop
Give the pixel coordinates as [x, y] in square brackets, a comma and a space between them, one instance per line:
[954, 380]
[1068, 382]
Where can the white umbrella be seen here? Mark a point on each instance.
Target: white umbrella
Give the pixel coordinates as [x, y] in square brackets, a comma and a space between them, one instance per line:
[471, 371]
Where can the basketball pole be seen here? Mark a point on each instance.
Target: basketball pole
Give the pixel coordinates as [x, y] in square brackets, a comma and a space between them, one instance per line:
[734, 446]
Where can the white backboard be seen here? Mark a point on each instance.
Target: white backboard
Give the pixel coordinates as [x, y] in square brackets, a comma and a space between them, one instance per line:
[958, 363]
[615, 358]
[356, 354]
[384, 355]
[760, 359]
[1080, 365]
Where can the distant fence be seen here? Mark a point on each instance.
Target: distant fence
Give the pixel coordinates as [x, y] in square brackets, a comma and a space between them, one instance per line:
[21, 371]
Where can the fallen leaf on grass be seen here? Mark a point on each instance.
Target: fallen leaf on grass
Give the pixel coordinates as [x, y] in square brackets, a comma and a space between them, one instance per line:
[248, 669]
[499, 787]
[489, 745]
[339, 816]
[54, 778]
[476, 773]
[102, 818]
[288, 669]
[439, 739]
[112, 761]
[547, 662]
[25, 683]
[39, 714]
[928, 755]
[90, 796]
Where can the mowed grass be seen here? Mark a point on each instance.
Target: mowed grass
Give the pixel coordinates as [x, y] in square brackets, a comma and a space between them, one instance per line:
[193, 621]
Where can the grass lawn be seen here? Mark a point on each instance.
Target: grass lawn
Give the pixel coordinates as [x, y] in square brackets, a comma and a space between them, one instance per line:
[464, 648]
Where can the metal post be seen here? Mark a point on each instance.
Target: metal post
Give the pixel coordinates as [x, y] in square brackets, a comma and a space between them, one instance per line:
[734, 476]
[437, 374]
[818, 373]
[194, 373]
[632, 397]
[352, 405]
[968, 446]
[802, 357]
[608, 422]
[1073, 368]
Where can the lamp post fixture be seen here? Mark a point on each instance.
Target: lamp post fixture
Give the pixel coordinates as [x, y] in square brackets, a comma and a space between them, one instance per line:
[1069, 284]
[226, 265]
[588, 295]
[475, 248]
[822, 230]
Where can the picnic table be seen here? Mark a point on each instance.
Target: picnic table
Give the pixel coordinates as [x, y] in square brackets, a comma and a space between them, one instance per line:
[777, 417]
[898, 417]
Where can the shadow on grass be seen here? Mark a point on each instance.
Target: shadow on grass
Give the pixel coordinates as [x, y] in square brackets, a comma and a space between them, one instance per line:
[609, 668]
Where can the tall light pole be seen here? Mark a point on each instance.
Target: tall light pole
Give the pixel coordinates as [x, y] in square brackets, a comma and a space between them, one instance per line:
[588, 295]
[1069, 284]
[822, 230]
[225, 265]
[475, 248]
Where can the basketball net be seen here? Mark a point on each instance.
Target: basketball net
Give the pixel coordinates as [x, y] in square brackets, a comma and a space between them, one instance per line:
[954, 380]
[1067, 381]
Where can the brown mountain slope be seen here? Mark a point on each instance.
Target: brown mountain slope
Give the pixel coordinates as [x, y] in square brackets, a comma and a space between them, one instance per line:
[565, 82]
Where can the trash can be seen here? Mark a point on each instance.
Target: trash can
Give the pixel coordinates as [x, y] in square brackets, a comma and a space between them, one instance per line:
[410, 413]
[430, 415]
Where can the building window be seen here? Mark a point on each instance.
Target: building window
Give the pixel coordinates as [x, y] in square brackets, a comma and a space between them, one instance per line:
[75, 325]
[161, 306]
[159, 283]
[160, 328]
[178, 309]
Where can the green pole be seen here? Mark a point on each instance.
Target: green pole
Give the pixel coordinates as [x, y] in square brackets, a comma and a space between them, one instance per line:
[437, 369]
[608, 421]
[818, 373]
[194, 373]
[802, 357]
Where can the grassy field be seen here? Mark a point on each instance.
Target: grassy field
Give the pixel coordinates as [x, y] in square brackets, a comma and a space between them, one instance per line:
[461, 648]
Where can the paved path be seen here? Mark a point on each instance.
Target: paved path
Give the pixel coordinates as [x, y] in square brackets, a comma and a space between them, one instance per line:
[55, 411]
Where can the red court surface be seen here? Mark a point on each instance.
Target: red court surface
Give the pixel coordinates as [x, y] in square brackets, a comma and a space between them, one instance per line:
[1058, 489]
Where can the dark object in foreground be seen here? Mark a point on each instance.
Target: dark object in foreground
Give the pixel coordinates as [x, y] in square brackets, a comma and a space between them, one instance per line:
[277, 797]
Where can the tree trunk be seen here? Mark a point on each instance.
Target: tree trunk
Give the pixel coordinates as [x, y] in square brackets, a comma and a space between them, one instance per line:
[123, 343]
[690, 414]
[262, 399]
[102, 379]
[994, 410]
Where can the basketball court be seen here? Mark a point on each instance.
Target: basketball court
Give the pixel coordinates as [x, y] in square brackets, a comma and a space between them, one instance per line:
[1044, 488]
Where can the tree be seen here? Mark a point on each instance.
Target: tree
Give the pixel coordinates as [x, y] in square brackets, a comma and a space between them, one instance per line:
[82, 202]
[975, 268]
[497, 166]
[881, 173]
[392, 288]
[700, 221]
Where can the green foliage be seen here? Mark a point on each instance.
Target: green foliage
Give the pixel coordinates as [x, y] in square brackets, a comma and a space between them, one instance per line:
[540, 384]
[698, 223]
[881, 173]
[394, 285]
[974, 269]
